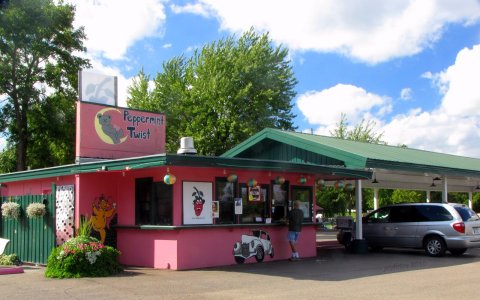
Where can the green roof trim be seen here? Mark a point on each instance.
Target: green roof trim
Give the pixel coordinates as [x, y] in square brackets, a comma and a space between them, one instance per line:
[359, 155]
[182, 160]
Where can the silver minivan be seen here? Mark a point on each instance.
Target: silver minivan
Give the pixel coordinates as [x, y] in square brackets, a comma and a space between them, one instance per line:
[435, 227]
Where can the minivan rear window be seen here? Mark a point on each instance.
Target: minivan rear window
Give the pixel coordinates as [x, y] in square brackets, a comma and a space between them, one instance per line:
[466, 213]
[434, 213]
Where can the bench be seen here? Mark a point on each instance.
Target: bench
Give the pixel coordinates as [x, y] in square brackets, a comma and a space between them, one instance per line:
[3, 245]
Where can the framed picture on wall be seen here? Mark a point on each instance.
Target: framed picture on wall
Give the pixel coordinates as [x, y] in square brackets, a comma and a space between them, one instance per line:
[197, 202]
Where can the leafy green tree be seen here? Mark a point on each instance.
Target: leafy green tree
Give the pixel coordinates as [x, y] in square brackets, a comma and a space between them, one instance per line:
[362, 132]
[227, 91]
[37, 42]
[403, 196]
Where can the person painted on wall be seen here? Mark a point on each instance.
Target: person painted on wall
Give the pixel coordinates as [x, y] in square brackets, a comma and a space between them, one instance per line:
[100, 215]
[295, 219]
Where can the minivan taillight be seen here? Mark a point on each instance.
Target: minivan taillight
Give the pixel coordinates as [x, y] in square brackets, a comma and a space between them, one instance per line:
[459, 226]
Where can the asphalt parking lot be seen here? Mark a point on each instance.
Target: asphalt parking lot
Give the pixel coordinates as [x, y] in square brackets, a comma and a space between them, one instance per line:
[333, 274]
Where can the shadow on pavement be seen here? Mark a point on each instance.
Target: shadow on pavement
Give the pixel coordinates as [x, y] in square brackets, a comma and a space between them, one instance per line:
[337, 265]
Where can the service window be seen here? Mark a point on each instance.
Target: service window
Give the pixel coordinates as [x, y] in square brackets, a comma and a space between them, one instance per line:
[279, 203]
[254, 204]
[153, 202]
[224, 195]
[304, 194]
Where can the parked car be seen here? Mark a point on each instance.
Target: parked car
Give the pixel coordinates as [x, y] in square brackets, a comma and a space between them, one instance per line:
[257, 244]
[435, 227]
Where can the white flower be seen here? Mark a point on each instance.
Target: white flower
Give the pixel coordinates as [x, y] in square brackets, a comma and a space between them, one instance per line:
[92, 256]
[11, 209]
[36, 209]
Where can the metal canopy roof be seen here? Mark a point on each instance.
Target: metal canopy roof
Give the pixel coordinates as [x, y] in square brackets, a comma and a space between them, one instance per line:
[394, 167]
[185, 160]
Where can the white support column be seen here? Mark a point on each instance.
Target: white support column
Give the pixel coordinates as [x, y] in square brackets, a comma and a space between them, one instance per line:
[358, 207]
[445, 191]
[428, 196]
[470, 200]
[375, 198]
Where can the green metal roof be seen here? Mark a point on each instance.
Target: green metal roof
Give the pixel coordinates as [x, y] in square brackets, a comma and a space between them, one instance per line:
[182, 160]
[359, 155]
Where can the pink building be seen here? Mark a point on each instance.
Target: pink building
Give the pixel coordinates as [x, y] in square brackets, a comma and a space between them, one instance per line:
[170, 211]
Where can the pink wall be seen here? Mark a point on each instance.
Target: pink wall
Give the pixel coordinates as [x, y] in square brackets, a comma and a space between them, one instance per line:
[183, 249]
[36, 186]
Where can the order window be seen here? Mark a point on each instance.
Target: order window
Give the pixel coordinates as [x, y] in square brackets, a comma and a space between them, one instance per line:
[153, 202]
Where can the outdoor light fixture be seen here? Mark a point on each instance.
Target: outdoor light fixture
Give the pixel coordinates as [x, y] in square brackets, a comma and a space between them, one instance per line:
[374, 178]
[433, 181]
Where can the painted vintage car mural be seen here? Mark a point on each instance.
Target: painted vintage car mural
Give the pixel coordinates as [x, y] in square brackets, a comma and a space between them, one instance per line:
[257, 244]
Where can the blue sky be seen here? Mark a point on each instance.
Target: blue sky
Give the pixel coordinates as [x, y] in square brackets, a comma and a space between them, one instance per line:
[412, 67]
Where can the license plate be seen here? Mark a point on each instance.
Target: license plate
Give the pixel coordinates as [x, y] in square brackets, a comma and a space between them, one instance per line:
[476, 230]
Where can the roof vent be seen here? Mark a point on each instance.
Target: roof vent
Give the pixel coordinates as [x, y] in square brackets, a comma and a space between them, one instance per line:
[186, 146]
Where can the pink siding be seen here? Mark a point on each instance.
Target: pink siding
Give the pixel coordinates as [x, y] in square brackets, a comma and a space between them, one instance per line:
[201, 247]
[177, 249]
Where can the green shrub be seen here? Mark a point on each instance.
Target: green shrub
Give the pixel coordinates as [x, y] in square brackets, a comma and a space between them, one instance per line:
[85, 227]
[8, 260]
[82, 256]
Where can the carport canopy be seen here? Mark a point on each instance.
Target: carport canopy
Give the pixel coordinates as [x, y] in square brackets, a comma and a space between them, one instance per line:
[393, 167]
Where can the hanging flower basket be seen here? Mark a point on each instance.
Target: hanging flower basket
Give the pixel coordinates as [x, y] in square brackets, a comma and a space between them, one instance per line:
[36, 210]
[11, 210]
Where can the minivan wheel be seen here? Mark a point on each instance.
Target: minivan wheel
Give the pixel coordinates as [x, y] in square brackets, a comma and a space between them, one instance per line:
[457, 252]
[435, 246]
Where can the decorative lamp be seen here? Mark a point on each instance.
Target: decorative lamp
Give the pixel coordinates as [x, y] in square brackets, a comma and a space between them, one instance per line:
[169, 178]
[252, 182]
[232, 178]
[302, 180]
[349, 187]
[321, 183]
[339, 184]
[280, 180]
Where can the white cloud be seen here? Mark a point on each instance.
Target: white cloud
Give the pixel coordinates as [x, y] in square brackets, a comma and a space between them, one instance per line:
[325, 107]
[406, 94]
[112, 26]
[371, 31]
[453, 127]
[197, 9]
[460, 83]
[435, 131]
